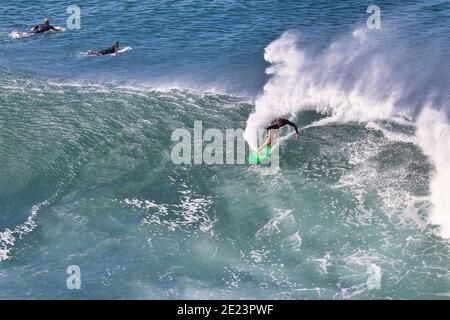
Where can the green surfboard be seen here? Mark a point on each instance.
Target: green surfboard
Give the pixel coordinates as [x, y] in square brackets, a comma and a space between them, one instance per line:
[259, 157]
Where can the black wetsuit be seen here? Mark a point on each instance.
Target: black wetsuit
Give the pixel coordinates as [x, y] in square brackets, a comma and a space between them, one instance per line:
[109, 50]
[43, 28]
[274, 124]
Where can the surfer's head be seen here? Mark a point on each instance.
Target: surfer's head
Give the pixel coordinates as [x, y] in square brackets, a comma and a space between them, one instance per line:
[116, 44]
[279, 122]
[46, 21]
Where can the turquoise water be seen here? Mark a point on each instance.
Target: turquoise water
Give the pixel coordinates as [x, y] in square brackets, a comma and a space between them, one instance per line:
[85, 151]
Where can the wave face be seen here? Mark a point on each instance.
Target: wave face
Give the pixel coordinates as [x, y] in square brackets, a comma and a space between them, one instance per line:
[359, 209]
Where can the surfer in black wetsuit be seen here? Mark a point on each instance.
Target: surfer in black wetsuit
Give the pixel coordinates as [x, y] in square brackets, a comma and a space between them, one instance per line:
[277, 124]
[44, 27]
[111, 50]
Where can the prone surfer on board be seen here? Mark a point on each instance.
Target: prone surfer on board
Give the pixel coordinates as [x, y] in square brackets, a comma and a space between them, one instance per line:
[277, 124]
[111, 50]
[44, 27]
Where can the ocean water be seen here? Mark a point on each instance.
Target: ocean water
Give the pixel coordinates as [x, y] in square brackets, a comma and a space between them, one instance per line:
[358, 210]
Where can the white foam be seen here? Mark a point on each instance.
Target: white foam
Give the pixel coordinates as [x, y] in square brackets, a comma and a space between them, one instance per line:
[20, 35]
[273, 226]
[341, 80]
[323, 263]
[9, 237]
[292, 243]
[191, 210]
[393, 136]
[433, 134]
[3, 254]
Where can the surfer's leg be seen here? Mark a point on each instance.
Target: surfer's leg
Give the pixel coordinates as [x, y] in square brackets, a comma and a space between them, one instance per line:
[268, 141]
[93, 53]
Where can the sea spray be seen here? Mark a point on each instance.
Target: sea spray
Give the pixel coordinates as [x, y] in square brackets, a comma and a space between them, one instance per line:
[349, 79]
[433, 133]
[356, 78]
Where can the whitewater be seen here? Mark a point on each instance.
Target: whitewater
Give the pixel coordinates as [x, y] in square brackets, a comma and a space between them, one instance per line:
[359, 207]
[353, 80]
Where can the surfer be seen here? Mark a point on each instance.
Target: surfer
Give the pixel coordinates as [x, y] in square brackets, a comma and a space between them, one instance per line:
[44, 27]
[277, 124]
[111, 50]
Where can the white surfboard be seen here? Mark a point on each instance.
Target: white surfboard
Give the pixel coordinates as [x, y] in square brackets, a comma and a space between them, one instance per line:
[120, 51]
[125, 49]
[26, 34]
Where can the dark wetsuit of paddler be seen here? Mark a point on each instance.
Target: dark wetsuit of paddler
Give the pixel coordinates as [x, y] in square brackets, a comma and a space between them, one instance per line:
[44, 27]
[111, 50]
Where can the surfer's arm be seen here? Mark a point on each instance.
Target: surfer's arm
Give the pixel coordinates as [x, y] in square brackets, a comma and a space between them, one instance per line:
[116, 52]
[297, 134]
[293, 125]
